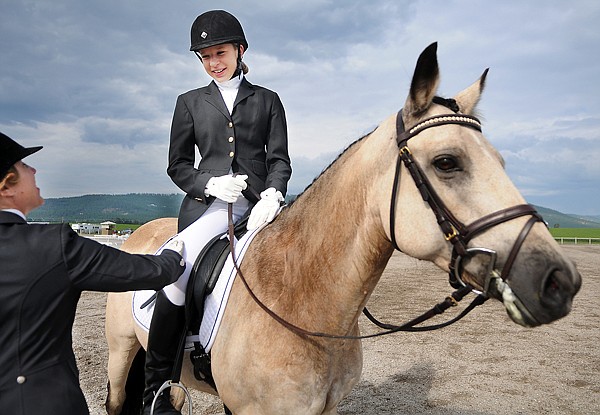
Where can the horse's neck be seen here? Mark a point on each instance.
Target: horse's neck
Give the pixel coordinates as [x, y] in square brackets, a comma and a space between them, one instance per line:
[339, 249]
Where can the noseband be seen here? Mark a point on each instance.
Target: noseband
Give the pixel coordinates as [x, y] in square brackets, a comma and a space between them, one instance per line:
[455, 231]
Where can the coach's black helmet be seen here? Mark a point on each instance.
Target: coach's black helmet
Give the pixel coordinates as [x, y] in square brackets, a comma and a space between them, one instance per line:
[215, 28]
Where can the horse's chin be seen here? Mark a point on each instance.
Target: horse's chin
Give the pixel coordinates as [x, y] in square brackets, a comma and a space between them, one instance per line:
[514, 307]
[518, 316]
[498, 289]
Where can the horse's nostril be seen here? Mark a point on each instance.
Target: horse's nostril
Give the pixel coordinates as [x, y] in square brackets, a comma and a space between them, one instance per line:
[551, 284]
[556, 290]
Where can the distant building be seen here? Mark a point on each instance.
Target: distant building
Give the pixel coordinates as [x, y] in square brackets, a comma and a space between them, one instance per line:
[108, 228]
[86, 228]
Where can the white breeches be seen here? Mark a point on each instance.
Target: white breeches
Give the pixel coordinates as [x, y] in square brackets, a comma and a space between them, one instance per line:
[212, 223]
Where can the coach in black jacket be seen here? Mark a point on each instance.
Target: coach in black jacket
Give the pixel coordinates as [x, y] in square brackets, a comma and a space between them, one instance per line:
[43, 270]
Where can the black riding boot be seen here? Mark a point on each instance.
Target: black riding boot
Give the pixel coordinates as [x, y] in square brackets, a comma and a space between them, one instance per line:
[165, 333]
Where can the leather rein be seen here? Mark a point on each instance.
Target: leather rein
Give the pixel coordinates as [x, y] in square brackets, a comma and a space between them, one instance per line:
[454, 231]
[439, 308]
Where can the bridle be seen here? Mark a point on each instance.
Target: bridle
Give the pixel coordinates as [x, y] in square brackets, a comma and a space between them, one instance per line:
[454, 230]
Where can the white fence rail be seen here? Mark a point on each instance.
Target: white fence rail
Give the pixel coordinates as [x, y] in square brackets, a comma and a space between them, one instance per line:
[110, 240]
[577, 241]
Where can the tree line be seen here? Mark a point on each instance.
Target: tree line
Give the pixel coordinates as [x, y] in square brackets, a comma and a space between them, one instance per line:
[135, 208]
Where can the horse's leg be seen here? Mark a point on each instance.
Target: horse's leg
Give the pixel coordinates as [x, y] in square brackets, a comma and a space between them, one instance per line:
[276, 371]
[177, 398]
[122, 348]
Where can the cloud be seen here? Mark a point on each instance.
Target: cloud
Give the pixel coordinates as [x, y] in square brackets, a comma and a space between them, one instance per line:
[96, 83]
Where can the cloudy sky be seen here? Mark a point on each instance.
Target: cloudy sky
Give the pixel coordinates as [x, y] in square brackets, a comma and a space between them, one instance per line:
[95, 83]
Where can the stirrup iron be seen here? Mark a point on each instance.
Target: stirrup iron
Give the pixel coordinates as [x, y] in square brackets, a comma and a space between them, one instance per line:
[168, 384]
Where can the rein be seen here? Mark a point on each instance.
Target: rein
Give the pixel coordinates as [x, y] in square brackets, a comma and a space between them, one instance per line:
[450, 301]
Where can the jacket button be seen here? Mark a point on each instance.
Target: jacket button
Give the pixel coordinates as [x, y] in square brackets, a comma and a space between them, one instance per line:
[231, 154]
[230, 125]
[230, 139]
[21, 379]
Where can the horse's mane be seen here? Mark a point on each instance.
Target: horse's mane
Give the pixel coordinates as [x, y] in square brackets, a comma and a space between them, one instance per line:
[449, 103]
[331, 164]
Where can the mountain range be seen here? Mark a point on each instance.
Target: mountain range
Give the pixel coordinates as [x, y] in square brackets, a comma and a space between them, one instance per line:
[138, 208]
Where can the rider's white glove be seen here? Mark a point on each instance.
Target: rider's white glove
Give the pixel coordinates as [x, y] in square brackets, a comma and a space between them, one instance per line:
[227, 188]
[266, 208]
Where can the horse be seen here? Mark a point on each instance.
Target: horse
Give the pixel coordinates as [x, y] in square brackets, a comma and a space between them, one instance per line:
[317, 263]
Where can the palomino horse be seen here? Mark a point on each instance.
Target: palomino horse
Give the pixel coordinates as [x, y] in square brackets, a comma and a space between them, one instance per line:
[317, 264]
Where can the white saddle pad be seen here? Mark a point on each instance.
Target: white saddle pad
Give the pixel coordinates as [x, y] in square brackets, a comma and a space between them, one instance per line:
[214, 304]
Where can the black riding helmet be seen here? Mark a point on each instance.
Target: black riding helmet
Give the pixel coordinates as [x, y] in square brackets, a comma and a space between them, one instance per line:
[216, 27]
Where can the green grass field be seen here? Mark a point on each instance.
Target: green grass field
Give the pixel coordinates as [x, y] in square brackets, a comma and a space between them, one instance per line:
[123, 226]
[577, 235]
[576, 232]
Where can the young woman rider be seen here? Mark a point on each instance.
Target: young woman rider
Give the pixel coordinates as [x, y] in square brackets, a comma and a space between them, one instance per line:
[240, 132]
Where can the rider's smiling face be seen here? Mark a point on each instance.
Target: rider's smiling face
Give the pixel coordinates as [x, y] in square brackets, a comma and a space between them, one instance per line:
[220, 61]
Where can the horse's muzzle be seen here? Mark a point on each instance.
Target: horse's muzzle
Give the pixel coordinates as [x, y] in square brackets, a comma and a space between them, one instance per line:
[539, 288]
[536, 294]
[557, 292]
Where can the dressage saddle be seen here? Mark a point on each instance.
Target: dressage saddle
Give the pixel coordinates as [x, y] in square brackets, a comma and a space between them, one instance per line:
[204, 276]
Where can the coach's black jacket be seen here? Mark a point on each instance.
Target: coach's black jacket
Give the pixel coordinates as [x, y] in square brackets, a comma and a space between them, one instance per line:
[43, 270]
[252, 141]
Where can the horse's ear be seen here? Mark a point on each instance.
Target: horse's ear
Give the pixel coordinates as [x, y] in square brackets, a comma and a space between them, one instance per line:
[467, 99]
[424, 83]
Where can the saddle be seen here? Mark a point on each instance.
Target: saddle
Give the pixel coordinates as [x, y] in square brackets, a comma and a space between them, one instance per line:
[203, 277]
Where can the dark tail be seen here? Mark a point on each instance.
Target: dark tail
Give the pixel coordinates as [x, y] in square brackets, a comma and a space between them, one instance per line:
[134, 387]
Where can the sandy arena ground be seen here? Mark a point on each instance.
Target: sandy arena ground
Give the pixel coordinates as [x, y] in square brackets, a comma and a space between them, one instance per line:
[482, 365]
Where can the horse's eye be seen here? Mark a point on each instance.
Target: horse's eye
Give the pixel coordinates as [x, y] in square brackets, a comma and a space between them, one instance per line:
[446, 163]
